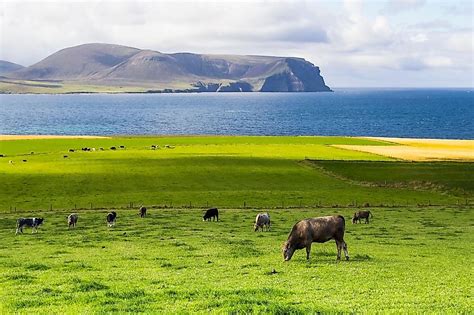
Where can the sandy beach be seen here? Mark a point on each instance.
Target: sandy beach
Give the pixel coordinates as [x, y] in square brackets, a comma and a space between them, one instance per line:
[29, 137]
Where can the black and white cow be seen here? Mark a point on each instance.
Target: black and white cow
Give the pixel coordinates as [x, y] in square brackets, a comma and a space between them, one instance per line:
[33, 223]
[111, 216]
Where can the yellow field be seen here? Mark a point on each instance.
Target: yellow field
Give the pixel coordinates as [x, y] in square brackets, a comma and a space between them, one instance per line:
[420, 149]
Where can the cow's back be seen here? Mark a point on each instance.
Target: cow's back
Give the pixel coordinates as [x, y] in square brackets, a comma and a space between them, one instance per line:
[323, 229]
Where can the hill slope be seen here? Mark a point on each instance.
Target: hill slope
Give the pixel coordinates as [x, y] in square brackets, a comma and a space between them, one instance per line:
[114, 65]
[6, 67]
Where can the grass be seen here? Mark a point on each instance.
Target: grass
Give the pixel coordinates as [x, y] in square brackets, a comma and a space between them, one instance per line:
[410, 259]
[407, 260]
[456, 177]
[201, 171]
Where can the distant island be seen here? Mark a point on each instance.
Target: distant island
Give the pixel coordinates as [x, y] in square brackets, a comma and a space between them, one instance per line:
[107, 68]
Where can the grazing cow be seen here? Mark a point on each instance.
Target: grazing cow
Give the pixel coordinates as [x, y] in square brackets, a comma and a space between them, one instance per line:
[142, 212]
[261, 221]
[101, 149]
[113, 148]
[153, 147]
[93, 149]
[1, 155]
[122, 147]
[72, 220]
[361, 215]
[33, 223]
[211, 213]
[32, 153]
[111, 216]
[25, 161]
[319, 230]
[65, 156]
[71, 150]
[11, 162]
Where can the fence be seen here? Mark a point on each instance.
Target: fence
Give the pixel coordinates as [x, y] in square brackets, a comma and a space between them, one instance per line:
[243, 205]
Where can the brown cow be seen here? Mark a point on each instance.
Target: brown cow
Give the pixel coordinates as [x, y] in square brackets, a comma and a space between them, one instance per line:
[319, 230]
[361, 215]
[142, 212]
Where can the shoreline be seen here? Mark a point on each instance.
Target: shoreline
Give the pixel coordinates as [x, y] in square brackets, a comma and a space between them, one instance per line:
[394, 140]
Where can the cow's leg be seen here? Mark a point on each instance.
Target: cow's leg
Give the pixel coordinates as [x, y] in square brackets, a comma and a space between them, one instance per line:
[308, 250]
[346, 253]
[217, 216]
[367, 220]
[339, 248]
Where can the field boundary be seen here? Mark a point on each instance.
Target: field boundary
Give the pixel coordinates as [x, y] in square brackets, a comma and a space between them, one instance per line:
[414, 185]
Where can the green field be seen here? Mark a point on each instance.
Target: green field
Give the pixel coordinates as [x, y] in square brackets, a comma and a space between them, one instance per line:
[412, 258]
[201, 171]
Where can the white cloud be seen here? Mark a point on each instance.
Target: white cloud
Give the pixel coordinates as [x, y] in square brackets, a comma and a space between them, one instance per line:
[350, 39]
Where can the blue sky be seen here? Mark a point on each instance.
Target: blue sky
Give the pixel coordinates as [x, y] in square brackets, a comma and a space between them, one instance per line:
[385, 43]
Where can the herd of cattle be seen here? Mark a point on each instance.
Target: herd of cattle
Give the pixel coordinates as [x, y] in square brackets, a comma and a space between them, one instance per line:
[302, 235]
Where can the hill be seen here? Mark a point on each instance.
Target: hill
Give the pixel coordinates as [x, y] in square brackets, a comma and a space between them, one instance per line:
[7, 67]
[120, 66]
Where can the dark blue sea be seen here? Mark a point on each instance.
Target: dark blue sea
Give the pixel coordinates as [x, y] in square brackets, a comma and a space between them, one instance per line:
[420, 113]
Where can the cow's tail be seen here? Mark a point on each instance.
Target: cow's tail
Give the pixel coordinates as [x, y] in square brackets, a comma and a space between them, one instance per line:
[343, 220]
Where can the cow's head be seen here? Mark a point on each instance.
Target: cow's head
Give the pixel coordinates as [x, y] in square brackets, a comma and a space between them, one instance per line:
[354, 218]
[288, 251]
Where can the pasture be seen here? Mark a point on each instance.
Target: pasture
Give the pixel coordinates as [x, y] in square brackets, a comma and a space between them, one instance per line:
[407, 260]
[414, 256]
[231, 172]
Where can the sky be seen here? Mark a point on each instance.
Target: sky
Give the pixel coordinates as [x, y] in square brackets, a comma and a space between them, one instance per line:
[384, 43]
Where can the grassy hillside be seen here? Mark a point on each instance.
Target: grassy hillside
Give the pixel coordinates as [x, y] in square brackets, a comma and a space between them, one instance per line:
[407, 260]
[201, 171]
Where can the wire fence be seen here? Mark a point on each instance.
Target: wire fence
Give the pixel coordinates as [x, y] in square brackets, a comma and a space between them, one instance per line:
[243, 205]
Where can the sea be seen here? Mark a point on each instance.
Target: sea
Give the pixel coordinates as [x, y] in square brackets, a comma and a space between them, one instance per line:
[414, 113]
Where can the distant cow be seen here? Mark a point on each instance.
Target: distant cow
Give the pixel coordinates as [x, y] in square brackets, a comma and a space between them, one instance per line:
[101, 149]
[1, 155]
[361, 215]
[25, 161]
[319, 230]
[113, 148]
[211, 213]
[65, 156]
[261, 221]
[11, 162]
[111, 216]
[122, 147]
[72, 220]
[71, 150]
[142, 212]
[33, 223]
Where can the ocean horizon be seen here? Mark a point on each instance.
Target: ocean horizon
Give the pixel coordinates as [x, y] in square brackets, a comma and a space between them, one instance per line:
[445, 113]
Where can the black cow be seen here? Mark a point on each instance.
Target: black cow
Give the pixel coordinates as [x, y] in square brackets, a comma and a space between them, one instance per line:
[142, 212]
[111, 216]
[29, 222]
[211, 213]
